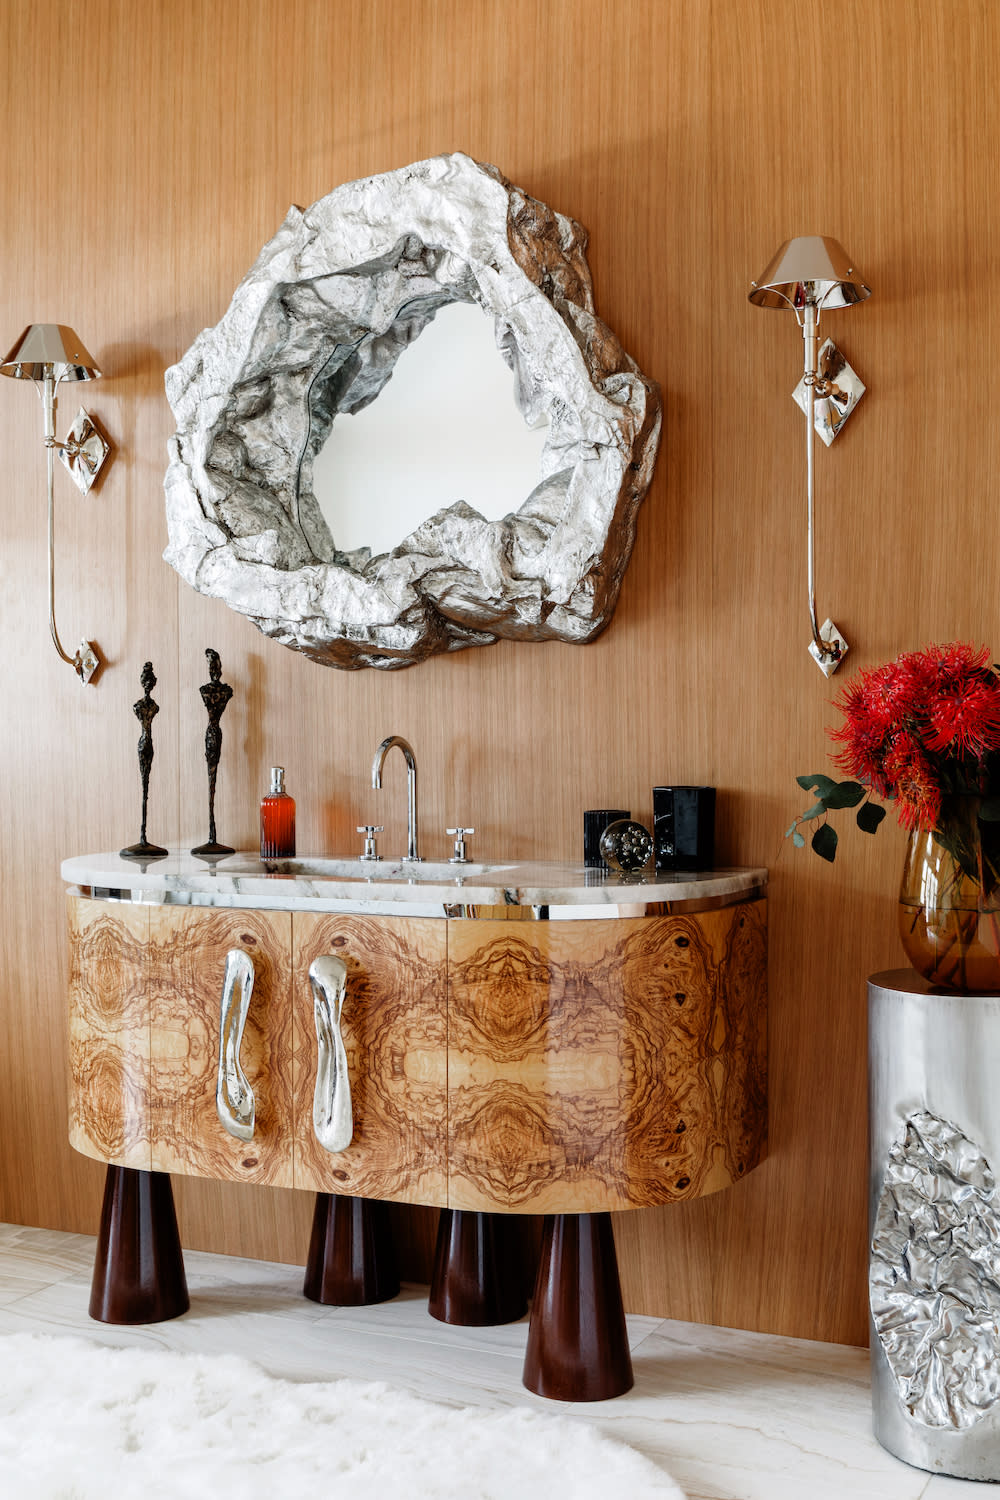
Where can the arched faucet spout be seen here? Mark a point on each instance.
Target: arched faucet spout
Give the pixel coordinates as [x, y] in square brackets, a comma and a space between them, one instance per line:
[396, 741]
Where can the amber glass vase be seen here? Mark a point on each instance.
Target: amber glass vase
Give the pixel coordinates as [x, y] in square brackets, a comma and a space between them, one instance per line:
[949, 900]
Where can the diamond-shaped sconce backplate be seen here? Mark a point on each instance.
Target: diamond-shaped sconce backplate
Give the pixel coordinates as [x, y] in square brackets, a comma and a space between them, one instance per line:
[86, 661]
[84, 451]
[838, 392]
[828, 661]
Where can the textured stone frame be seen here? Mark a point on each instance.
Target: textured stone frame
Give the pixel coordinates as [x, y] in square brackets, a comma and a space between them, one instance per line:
[315, 329]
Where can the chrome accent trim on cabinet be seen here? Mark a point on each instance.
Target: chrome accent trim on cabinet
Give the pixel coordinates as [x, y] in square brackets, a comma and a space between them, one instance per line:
[333, 1120]
[234, 1100]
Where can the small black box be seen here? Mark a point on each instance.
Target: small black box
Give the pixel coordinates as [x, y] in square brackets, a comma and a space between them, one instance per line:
[594, 823]
[684, 827]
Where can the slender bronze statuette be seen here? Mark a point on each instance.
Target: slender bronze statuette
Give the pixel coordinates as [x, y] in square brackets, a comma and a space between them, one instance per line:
[215, 696]
[145, 711]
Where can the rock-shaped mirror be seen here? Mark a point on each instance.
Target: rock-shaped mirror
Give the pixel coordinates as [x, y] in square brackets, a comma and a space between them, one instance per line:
[264, 404]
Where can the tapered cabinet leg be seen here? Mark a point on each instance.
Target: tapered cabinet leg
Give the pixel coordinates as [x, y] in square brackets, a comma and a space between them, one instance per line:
[351, 1260]
[139, 1268]
[476, 1280]
[577, 1342]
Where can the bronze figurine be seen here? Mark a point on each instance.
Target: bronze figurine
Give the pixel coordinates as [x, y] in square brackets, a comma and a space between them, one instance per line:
[215, 695]
[145, 711]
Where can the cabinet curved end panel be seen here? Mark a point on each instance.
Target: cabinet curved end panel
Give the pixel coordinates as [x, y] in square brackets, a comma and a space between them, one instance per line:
[109, 1059]
[607, 1064]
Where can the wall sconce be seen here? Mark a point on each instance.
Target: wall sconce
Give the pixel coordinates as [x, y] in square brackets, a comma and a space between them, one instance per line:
[50, 353]
[809, 274]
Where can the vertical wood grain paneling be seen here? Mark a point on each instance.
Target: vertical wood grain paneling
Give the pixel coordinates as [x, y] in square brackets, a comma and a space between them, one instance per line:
[690, 139]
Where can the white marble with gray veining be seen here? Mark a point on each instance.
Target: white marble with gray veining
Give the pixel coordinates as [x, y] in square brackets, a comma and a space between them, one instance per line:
[431, 888]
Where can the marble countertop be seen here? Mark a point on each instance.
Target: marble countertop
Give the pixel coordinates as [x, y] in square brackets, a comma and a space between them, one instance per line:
[429, 888]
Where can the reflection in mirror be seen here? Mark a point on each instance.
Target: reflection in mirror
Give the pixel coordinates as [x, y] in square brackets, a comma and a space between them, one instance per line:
[444, 428]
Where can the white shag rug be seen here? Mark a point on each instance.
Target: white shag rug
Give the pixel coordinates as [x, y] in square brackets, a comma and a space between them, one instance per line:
[83, 1422]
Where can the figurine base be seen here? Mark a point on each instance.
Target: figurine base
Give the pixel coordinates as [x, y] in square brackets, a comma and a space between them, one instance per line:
[142, 850]
[213, 850]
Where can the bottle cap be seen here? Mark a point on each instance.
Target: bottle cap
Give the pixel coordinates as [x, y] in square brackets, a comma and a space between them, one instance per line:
[277, 780]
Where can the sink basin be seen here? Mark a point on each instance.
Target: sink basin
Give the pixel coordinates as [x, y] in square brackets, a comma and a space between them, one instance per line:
[427, 872]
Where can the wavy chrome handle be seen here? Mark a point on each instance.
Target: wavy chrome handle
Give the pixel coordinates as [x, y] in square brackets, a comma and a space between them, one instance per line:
[333, 1121]
[234, 1101]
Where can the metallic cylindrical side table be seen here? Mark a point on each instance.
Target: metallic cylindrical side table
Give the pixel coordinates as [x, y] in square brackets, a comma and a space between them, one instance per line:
[934, 1273]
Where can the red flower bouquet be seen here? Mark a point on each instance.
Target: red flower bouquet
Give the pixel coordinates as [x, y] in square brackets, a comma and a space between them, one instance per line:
[924, 732]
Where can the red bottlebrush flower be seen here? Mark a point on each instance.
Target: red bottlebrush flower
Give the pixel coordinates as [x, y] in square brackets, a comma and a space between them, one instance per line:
[863, 754]
[955, 663]
[911, 777]
[923, 729]
[966, 723]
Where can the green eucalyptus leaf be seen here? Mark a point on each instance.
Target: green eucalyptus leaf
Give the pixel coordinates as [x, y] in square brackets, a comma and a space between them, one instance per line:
[814, 812]
[870, 816]
[989, 810]
[798, 840]
[845, 794]
[824, 842]
[819, 784]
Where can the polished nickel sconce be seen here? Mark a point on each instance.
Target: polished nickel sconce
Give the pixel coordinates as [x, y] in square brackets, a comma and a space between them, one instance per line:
[810, 274]
[48, 353]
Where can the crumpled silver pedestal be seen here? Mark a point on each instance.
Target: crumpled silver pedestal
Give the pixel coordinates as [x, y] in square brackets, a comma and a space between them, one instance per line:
[934, 1278]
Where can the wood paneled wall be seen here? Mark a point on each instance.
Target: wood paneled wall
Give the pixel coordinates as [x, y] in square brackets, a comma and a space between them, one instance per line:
[149, 150]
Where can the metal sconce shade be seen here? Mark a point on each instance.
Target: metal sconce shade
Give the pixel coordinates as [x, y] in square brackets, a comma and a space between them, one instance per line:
[812, 270]
[53, 345]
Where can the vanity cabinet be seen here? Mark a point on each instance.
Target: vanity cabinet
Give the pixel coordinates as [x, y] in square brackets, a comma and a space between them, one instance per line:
[528, 1066]
[516, 1040]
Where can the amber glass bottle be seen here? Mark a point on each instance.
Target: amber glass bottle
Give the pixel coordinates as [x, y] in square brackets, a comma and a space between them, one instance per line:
[277, 819]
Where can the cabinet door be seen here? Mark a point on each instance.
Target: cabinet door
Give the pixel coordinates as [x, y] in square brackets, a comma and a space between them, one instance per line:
[187, 960]
[108, 1032]
[395, 1031]
[604, 1064]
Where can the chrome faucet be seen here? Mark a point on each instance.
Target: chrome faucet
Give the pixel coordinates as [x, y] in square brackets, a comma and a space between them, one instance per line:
[395, 740]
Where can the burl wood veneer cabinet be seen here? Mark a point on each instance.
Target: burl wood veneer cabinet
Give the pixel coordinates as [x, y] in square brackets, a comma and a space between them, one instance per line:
[599, 1050]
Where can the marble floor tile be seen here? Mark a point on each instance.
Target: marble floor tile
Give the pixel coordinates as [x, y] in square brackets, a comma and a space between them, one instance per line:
[14, 1287]
[731, 1415]
[50, 1249]
[942, 1488]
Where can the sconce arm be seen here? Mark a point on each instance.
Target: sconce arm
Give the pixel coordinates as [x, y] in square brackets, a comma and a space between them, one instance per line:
[827, 652]
[86, 660]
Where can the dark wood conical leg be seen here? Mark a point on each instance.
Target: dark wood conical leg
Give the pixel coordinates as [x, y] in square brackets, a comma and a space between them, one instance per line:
[577, 1342]
[476, 1281]
[351, 1260]
[139, 1268]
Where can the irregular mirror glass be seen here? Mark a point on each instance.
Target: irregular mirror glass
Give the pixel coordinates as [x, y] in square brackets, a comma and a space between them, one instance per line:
[445, 427]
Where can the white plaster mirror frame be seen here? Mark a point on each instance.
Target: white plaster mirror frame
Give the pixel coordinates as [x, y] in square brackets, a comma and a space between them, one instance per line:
[314, 330]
